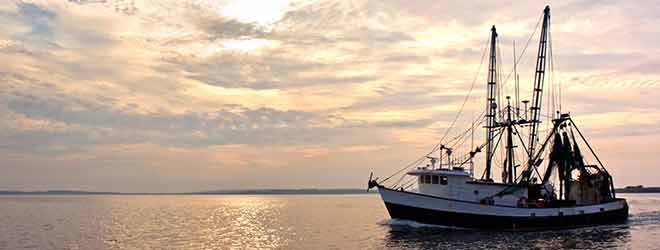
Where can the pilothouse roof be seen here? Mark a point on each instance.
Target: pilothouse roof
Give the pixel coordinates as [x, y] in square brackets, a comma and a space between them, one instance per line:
[442, 171]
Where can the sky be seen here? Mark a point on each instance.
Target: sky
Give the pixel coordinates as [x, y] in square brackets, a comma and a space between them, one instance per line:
[175, 96]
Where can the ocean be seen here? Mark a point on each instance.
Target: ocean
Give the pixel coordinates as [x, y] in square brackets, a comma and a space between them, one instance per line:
[279, 222]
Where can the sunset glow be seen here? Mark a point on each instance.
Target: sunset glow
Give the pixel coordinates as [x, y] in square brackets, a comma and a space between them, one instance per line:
[196, 95]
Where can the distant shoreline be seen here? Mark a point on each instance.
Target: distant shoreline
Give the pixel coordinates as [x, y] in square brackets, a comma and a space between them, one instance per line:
[216, 192]
[638, 190]
[301, 191]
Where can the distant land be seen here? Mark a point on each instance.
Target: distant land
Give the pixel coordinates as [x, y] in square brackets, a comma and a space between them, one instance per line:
[628, 189]
[53, 192]
[290, 191]
[215, 192]
[638, 189]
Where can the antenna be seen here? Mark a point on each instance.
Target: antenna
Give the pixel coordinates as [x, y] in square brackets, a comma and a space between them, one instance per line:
[515, 80]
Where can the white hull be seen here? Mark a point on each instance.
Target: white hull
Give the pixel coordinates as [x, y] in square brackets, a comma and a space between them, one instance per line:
[452, 212]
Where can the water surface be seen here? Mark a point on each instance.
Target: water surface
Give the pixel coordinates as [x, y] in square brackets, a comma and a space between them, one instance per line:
[279, 222]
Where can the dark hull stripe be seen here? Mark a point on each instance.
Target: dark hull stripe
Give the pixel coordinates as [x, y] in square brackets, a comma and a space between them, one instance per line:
[454, 219]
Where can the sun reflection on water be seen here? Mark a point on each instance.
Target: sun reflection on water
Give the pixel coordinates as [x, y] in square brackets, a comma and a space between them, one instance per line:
[252, 223]
[200, 222]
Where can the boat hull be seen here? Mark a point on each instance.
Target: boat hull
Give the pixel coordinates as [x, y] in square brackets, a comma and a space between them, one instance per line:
[465, 214]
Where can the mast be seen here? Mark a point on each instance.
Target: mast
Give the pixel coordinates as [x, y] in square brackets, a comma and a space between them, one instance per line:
[491, 103]
[538, 85]
[509, 145]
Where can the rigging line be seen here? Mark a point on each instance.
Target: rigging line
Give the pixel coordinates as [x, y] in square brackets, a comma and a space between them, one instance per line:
[554, 89]
[548, 102]
[524, 49]
[552, 74]
[522, 143]
[458, 140]
[498, 69]
[541, 151]
[516, 84]
[552, 65]
[461, 142]
[472, 156]
[435, 148]
[454, 141]
[547, 117]
[412, 164]
[498, 87]
[459, 145]
[499, 138]
[402, 182]
[394, 185]
[410, 185]
[408, 182]
[464, 137]
[467, 97]
[589, 146]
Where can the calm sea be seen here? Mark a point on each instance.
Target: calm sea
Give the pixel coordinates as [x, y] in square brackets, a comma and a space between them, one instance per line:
[278, 222]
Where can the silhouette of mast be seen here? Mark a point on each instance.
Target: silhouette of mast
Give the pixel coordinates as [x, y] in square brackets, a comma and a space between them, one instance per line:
[510, 161]
[538, 85]
[491, 103]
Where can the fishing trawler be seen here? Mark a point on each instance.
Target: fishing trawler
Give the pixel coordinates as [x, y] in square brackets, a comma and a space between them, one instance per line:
[557, 187]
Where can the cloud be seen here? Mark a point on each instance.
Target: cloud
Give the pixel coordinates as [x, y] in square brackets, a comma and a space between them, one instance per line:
[102, 120]
[217, 27]
[40, 20]
[301, 88]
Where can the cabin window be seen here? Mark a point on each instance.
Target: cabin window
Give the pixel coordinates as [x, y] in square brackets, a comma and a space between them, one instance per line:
[427, 179]
[434, 179]
[443, 180]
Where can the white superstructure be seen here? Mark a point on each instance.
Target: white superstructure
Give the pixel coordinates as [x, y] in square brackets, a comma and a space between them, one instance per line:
[457, 184]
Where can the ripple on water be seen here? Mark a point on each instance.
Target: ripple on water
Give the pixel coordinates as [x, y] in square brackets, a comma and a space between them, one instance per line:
[279, 222]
